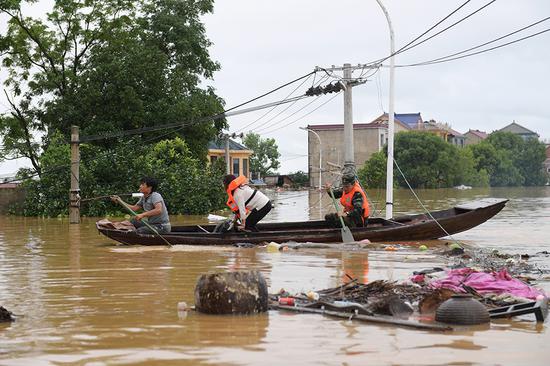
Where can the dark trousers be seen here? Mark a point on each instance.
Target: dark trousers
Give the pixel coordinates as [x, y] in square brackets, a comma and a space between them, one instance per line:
[143, 229]
[256, 215]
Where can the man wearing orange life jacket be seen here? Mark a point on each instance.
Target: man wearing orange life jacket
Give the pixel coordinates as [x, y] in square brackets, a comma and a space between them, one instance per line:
[354, 200]
[249, 205]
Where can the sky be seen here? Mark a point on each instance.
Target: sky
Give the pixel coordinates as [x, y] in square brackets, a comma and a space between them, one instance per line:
[264, 44]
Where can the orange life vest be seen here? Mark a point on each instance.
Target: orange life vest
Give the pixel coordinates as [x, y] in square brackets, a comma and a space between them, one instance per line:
[235, 183]
[347, 198]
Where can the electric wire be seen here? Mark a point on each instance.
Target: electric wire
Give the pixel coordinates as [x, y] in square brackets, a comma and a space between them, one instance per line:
[421, 204]
[270, 110]
[180, 125]
[263, 126]
[451, 56]
[410, 45]
[305, 115]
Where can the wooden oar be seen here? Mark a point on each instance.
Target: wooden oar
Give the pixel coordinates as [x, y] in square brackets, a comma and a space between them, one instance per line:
[144, 221]
[347, 236]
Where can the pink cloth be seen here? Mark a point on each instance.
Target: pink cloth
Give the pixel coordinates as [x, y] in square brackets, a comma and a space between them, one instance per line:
[496, 283]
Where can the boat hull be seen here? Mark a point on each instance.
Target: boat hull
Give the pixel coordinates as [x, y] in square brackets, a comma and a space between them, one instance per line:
[434, 225]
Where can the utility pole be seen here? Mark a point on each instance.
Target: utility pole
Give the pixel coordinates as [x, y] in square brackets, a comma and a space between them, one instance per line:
[227, 159]
[74, 193]
[225, 137]
[349, 159]
[349, 82]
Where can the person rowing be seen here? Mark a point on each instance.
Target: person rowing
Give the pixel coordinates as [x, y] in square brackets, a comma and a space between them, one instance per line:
[353, 199]
[153, 206]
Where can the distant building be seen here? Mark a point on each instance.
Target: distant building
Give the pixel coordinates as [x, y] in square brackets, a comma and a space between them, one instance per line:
[475, 136]
[368, 138]
[11, 194]
[239, 156]
[523, 132]
[278, 181]
[456, 138]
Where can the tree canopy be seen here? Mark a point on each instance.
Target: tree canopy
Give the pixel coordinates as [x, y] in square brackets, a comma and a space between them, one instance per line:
[509, 160]
[265, 158]
[106, 66]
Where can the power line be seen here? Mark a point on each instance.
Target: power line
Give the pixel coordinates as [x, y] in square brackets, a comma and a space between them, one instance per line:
[483, 44]
[179, 125]
[263, 125]
[406, 47]
[269, 111]
[403, 49]
[449, 58]
[305, 115]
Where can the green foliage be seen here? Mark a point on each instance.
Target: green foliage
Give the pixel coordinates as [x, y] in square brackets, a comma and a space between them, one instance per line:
[509, 160]
[427, 162]
[299, 179]
[266, 155]
[106, 66]
[373, 173]
[186, 185]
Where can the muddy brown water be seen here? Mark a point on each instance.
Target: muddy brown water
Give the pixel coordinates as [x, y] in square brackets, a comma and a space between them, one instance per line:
[83, 300]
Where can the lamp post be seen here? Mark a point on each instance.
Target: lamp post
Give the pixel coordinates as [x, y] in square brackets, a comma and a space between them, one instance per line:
[389, 167]
[320, 154]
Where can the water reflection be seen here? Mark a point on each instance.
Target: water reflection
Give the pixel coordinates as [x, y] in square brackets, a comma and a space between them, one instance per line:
[87, 301]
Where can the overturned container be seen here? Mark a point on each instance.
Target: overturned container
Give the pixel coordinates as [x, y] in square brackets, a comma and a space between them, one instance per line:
[231, 293]
[462, 309]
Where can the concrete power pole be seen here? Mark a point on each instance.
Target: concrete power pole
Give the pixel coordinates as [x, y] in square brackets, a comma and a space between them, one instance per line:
[74, 193]
[349, 159]
[227, 159]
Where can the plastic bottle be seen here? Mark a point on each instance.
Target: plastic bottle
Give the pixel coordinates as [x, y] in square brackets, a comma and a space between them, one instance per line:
[288, 301]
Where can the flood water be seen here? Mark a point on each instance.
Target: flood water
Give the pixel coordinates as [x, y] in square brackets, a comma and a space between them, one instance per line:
[84, 300]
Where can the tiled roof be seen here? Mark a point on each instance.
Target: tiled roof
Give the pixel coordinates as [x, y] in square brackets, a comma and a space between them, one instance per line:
[455, 133]
[220, 145]
[518, 129]
[478, 133]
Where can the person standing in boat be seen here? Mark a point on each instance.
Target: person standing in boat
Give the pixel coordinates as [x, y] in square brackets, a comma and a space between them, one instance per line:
[353, 199]
[153, 206]
[249, 205]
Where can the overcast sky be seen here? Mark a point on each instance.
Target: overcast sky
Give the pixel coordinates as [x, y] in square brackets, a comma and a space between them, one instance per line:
[263, 44]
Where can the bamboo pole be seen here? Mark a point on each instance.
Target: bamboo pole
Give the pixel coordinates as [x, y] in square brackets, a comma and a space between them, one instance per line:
[144, 221]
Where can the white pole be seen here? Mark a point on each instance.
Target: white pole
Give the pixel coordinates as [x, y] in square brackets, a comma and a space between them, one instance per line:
[389, 166]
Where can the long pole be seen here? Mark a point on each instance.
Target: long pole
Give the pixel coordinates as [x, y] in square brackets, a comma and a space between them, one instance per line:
[389, 166]
[227, 159]
[74, 193]
[144, 220]
[349, 159]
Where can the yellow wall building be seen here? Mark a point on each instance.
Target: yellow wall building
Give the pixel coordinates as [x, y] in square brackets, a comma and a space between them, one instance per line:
[239, 156]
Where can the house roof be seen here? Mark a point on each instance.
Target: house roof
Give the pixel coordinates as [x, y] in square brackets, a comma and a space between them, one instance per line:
[481, 134]
[379, 122]
[410, 119]
[455, 133]
[517, 129]
[220, 145]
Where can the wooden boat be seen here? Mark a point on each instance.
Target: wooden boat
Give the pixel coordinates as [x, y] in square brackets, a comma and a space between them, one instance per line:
[403, 228]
